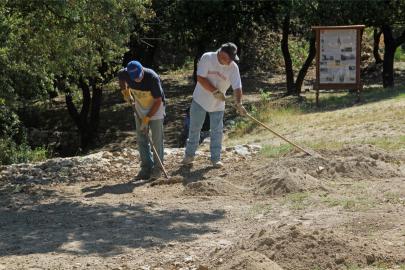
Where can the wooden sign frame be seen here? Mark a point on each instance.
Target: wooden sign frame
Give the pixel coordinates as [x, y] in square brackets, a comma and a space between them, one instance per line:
[356, 85]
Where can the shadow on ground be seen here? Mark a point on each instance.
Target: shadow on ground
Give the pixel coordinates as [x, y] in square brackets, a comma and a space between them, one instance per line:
[122, 188]
[80, 228]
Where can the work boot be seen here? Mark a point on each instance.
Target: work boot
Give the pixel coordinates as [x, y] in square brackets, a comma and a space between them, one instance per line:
[156, 174]
[143, 174]
[217, 164]
[187, 160]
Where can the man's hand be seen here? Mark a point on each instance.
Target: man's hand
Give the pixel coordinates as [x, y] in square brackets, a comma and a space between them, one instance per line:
[219, 95]
[240, 109]
[126, 93]
[145, 124]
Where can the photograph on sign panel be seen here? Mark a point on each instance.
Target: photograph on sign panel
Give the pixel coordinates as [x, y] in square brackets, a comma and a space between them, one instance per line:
[347, 49]
[347, 57]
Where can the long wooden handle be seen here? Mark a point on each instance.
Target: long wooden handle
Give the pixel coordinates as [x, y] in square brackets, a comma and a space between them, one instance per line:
[157, 156]
[278, 135]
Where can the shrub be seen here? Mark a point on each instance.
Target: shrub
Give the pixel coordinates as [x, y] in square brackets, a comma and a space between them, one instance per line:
[13, 141]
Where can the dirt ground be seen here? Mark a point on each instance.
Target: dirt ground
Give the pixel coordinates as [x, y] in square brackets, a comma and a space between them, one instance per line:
[343, 209]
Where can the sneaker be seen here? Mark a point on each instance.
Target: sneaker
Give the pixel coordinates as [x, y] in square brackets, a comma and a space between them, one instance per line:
[156, 174]
[143, 175]
[217, 164]
[187, 160]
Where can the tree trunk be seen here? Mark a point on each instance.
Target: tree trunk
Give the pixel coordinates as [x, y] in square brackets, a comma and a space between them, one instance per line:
[376, 45]
[304, 69]
[95, 112]
[287, 57]
[391, 44]
[87, 120]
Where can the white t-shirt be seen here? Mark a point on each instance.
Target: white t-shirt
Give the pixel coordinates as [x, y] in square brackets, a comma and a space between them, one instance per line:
[221, 76]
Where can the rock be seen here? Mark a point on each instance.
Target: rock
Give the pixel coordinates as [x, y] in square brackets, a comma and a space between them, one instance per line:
[262, 232]
[188, 259]
[268, 241]
[254, 147]
[320, 169]
[339, 260]
[241, 150]
[340, 168]
[66, 163]
[202, 267]
[107, 155]
[370, 258]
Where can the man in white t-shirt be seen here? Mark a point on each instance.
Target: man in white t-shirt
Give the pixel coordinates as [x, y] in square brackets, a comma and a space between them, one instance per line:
[216, 71]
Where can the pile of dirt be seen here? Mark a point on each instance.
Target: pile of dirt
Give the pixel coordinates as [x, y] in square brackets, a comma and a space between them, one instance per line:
[299, 173]
[293, 247]
[355, 162]
[251, 260]
[211, 187]
[286, 180]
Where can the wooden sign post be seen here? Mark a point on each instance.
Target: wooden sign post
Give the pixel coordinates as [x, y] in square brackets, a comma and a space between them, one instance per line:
[338, 58]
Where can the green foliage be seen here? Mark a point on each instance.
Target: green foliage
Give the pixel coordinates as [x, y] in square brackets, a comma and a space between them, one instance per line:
[11, 126]
[10, 152]
[51, 46]
[299, 51]
[190, 28]
[13, 141]
[264, 96]
[399, 54]
[72, 38]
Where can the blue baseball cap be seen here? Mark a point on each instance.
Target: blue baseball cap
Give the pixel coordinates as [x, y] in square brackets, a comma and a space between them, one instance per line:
[134, 69]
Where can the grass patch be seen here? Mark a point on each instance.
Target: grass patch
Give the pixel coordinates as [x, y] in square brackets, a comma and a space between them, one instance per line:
[324, 128]
[388, 143]
[260, 208]
[272, 151]
[394, 198]
[357, 203]
[325, 145]
[298, 200]
[266, 114]
[344, 99]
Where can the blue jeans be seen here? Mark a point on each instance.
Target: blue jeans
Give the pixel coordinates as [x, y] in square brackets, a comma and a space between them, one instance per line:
[197, 116]
[147, 160]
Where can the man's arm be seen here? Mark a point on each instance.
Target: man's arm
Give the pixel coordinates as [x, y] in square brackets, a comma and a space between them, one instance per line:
[238, 95]
[126, 93]
[238, 100]
[206, 84]
[122, 84]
